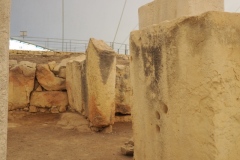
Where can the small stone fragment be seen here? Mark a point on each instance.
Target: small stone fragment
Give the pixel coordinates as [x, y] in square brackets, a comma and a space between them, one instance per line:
[54, 109]
[33, 109]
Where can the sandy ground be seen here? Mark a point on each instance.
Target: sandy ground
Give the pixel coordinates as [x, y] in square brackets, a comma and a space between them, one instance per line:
[37, 137]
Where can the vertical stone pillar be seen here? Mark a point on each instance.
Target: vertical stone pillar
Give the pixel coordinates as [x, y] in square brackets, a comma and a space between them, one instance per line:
[101, 75]
[4, 59]
[75, 84]
[186, 89]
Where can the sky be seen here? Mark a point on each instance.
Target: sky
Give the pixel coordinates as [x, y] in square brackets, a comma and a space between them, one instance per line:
[83, 19]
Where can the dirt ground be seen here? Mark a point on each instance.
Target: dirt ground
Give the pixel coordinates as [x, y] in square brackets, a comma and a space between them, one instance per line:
[37, 137]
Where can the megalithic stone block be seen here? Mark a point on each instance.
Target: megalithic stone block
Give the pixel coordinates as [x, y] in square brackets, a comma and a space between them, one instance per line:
[101, 74]
[76, 84]
[4, 60]
[161, 10]
[186, 88]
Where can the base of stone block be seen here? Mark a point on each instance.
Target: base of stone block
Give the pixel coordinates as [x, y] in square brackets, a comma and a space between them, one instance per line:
[107, 129]
[126, 118]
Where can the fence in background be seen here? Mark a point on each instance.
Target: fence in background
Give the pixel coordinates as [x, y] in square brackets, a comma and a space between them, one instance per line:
[67, 45]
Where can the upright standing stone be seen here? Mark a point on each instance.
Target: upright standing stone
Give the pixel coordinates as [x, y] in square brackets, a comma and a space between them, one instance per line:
[101, 74]
[4, 47]
[75, 84]
[161, 10]
[186, 89]
[123, 93]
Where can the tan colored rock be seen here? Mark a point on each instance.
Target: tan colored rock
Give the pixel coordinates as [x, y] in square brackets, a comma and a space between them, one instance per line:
[76, 85]
[48, 80]
[185, 77]
[52, 65]
[101, 75]
[12, 63]
[64, 62]
[62, 73]
[161, 10]
[128, 148]
[49, 99]
[4, 58]
[74, 121]
[125, 118]
[123, 92]
[43, 110]
[37, 87]
[33, 109]
[54, 109]
[21, 84]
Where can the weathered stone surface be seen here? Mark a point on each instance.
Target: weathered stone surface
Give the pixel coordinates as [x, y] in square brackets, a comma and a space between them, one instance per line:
[50, 99]
[161, 10]
[76, 85]
[128, 148]
[12, 63]
[52, 65]
[33, 109]
[21, 84]
[54, 109]
[101, 75]
[185, 77]
[4, 46]
[48, 80]
[64, 62]
[74, 121]
[123, 92]
[62, 73]
[125, 118]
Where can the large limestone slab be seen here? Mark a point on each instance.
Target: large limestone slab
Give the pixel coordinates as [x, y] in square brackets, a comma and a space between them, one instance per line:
[76, 85]
[48, 80]
[101, 74]
[161, 10]
[21, 84]
[123, 93]
[186, 87]
[49, 99]
[4, 47]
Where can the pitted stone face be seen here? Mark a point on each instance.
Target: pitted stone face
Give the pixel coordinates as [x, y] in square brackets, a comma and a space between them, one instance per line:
[185, 79]
[4, 60]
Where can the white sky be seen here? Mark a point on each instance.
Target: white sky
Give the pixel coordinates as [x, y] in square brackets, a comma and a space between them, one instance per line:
[83, 18]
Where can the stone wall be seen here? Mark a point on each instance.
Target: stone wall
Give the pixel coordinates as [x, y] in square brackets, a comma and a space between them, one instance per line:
[57, 86]
[185, 77]
[161, 10]
[43, 53]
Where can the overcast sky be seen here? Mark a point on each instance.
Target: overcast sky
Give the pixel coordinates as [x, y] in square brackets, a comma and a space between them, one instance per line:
[83, 18]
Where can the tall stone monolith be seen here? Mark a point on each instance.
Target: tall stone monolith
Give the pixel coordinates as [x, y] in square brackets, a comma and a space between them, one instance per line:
[161, 10]
[76, 84]
[4, 47]
[186, 89]
[101, 74]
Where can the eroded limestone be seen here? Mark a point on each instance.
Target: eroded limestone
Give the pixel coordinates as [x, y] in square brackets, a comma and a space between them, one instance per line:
[21, 84]
[185, 75]
[162, 10]
[101, 74]
[48, 80]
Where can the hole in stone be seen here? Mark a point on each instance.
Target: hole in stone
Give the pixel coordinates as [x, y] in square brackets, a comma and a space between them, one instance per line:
[165, 108]
[157, 115]
[157, 128]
